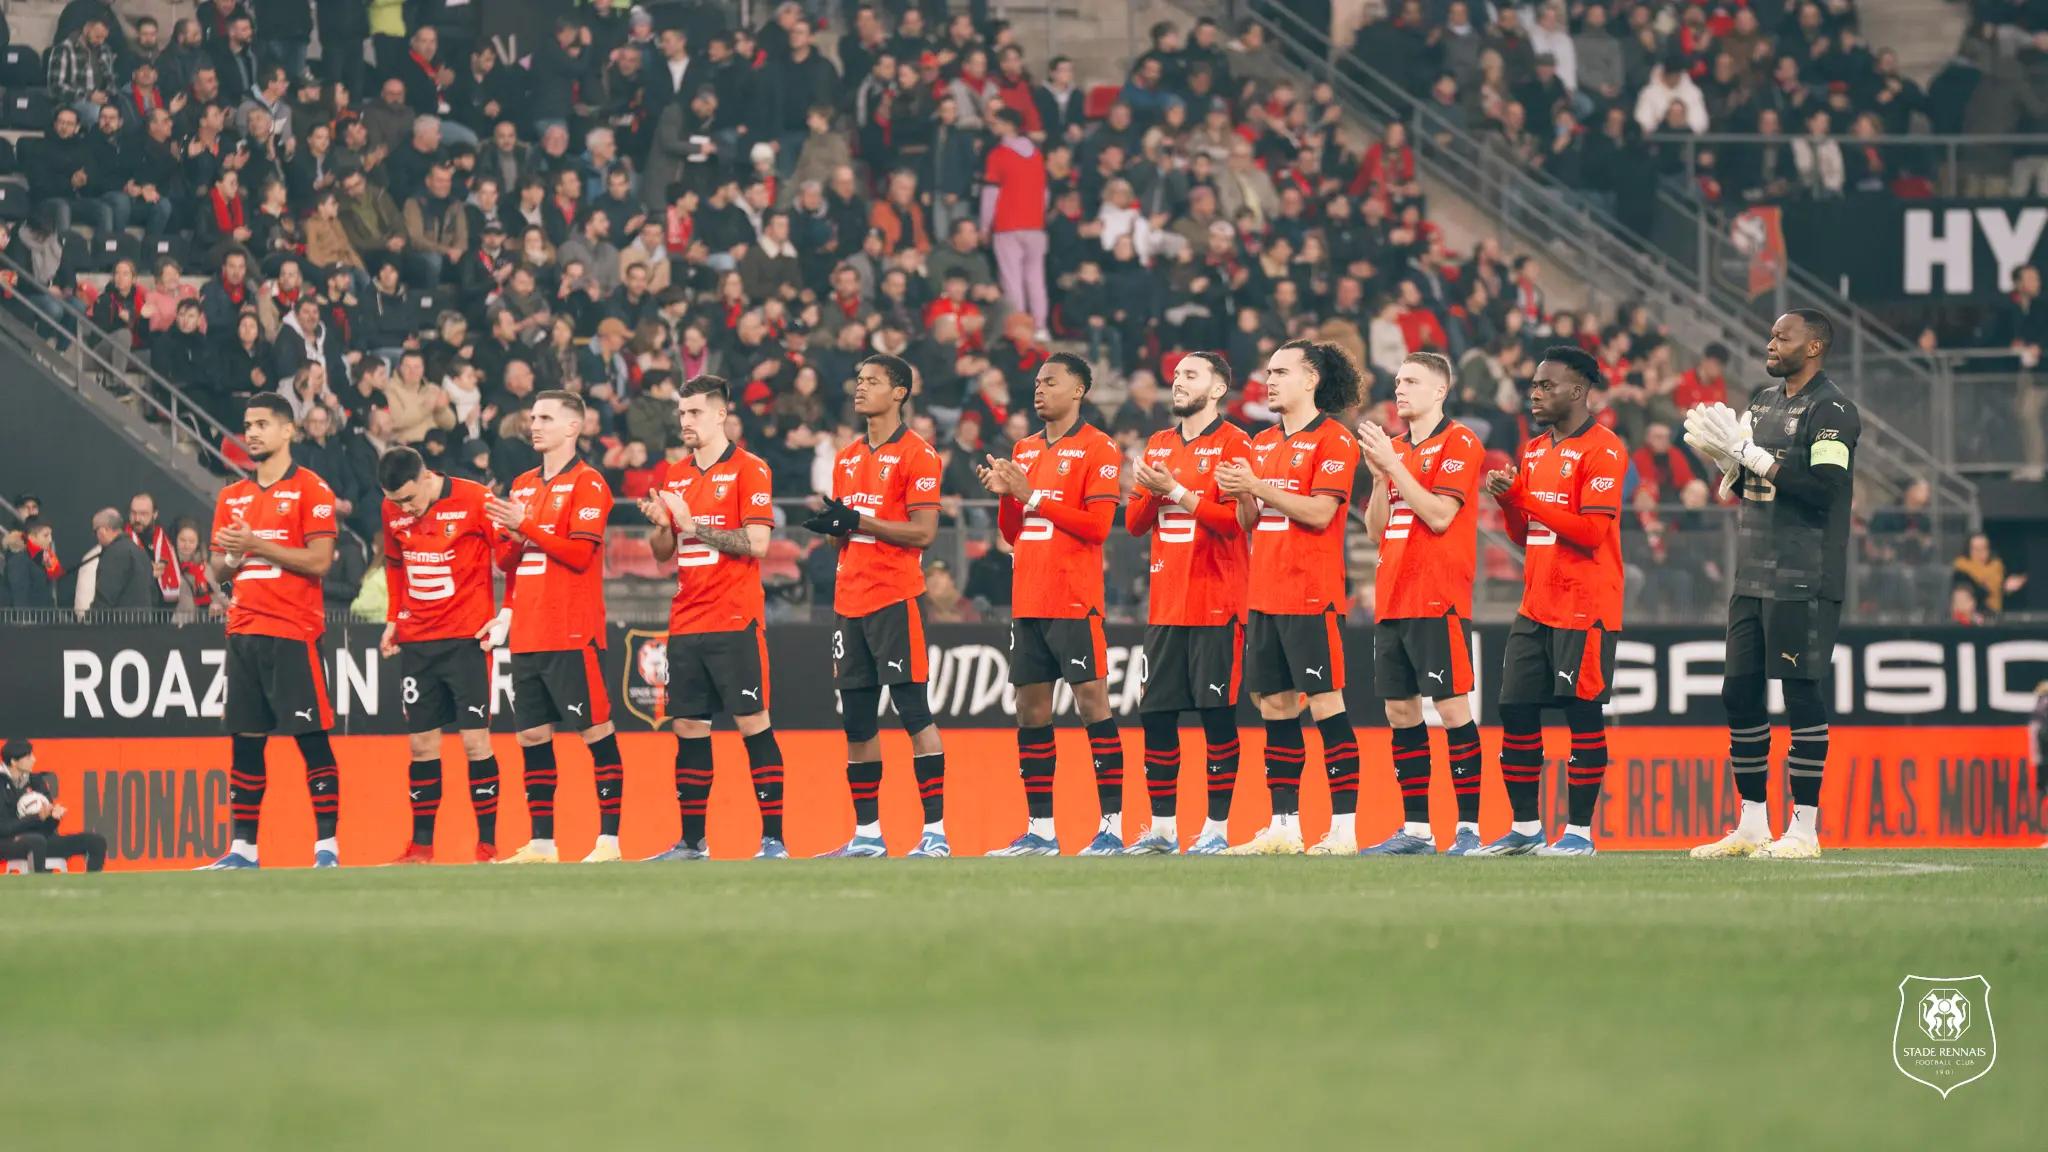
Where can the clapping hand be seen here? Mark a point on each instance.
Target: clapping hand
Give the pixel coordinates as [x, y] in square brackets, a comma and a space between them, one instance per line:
[1499, 481]
[1236, 478]
[834, 519]
[1155, 480]
[1378, 449]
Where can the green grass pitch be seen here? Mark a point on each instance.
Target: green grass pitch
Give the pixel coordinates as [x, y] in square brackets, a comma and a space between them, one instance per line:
[1630, 1001]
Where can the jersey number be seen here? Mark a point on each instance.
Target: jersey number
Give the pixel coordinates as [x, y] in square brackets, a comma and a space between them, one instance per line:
[434, 581]
[696, 556]
[1176, 527]
[532, 562]
[1035, 528]
[257, 570]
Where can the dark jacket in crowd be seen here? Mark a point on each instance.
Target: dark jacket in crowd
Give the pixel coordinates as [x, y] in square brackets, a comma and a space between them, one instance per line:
[124, 579]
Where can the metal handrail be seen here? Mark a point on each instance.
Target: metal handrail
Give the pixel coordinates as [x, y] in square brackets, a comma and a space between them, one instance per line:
[1594, 239]
[179, 414]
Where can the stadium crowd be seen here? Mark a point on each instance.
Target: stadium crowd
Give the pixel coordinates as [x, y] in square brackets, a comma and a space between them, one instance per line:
[409, 250]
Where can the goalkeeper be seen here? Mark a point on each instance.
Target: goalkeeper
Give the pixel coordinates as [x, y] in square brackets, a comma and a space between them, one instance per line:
[1791, 458]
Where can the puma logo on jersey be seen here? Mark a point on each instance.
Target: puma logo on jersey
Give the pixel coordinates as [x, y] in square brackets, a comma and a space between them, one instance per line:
[1437, 676]
[896, 664]
[477, 708]
[1789, 658]
[576, 708]
[755, 693]
[304, 714]
[1567, 677]
[1316, 672]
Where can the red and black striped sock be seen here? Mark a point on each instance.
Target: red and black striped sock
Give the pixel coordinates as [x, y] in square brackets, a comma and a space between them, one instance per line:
[1464, 754]
[611, 782]
[1285, 755]
[1340, 762]
[1521, 758]
[1162, 760]
[693, 785]
[1106, 746]
[483, 796]
[323, 780]
[764, 762]
[247, 778]
[864, 780]
[931, 785]
[423, 788]
[1035, 761]
[1219, 731]
[1411, 772]
[539, 771]
[1587, 768]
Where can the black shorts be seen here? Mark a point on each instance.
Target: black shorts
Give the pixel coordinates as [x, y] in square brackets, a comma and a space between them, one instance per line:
[563, 688]
[1782, 639]
[447, 684]
[275, 686]
[1294, 653]
[1192, 667]
[713, 672]
[884, 647]
[1421, 657]
[1042, 651]
[1555, 666]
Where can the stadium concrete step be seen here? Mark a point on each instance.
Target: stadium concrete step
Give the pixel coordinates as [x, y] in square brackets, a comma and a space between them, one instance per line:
[1924, 33]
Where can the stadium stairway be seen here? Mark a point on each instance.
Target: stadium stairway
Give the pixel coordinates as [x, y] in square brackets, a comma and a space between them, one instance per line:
[89, 426]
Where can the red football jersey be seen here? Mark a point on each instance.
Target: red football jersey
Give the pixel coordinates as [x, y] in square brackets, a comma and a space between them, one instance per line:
[1058, 576]
[888, 482]
[555, 609]
[295, 511]
[1297, 571]
[1424, 574]
[1198, 575]
[1562, 585]
[716, 592]
[437, 565]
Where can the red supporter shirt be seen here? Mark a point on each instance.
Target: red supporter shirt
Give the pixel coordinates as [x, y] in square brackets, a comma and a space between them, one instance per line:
[1565, 586]
[1422, 574]
[1693, 391]
[554, 607]
[887, 482]
[1297, 571]
[437, 565]
[294, 512]
[716, 592]
[1198, 571]
[1057, 575]
[1016, 170]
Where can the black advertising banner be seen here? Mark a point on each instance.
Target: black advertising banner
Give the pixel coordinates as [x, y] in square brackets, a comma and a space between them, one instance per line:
[1928, 251]
[100, 681]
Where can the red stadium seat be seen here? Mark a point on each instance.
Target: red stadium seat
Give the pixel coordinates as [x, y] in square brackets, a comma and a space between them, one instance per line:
[1096, 104]
[630, 554]
[784, 562]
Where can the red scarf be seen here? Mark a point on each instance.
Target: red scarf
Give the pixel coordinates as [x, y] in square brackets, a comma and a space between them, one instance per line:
[681, 227]
[228, 214]
[850, 305]
[146, 100]
[433, 74]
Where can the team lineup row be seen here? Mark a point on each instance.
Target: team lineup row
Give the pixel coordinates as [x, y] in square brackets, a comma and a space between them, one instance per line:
[1247, 537]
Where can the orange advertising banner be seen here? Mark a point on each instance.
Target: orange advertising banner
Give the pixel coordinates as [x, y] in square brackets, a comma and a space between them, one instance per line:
[162, 802]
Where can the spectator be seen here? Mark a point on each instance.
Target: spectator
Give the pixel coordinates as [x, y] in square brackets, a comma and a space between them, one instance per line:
[149, 535]
[1984, 571]
[30, 815]
[81, 69]
[370, 220]
[770, 267]
[1670, 83]
[1013, 212]
[32, 565]
[2021, 324]
[899, 216]
[61, 176]
[437, 225]
[118, 570]
[943, 601]
[1705, 382]
[417, 405]
[1661, 464]
[1817, 158]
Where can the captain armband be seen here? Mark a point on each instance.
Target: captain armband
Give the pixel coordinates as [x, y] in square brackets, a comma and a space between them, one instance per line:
[1828, 452]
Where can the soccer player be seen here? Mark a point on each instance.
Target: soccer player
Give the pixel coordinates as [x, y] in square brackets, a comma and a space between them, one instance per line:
[884, 511]
[714, 513]
[1059, 494]
[553, 621]
[1425, 514]
[273, 537]
[1792, 455]
[1291, 498]
[1564, 506]
[438, 548]
[1194, 639]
